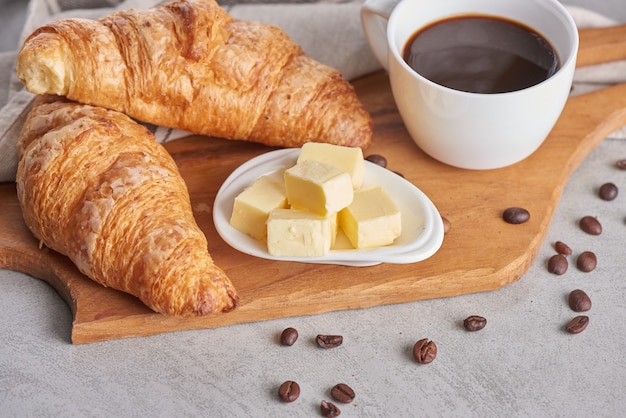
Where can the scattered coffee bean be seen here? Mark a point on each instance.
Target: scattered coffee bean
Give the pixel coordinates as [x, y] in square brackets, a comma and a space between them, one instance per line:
[515, 215]
[446, 224]
[590, 225]
[289, 391]
[577, 324]
[621, 164]
[329, 410]
[377, 159]
[608, 191]
[562, 248]
[289, 336]
[586, 261]
[425, 351]
[342, 393]
[579, 301]
[557, 264]
[474, 323]
[329, 341]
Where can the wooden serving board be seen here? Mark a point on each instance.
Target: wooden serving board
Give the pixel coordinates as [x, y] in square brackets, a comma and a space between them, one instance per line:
[480, 253]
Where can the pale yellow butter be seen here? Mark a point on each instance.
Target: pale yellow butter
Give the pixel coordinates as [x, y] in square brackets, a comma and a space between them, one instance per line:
[298, 233]
[254, 204]
[334, 225]
[348, 159]
[372, 219]
[319, 187]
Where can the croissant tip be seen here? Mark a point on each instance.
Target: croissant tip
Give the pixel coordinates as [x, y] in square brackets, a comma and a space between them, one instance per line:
[233, 306]
[208, 307]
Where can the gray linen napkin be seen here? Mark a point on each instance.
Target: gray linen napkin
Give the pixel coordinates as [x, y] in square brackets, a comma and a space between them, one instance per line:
[328, 30]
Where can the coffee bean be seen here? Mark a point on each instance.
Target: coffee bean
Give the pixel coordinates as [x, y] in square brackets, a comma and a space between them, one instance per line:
[579, 301]
[342, 393]
[557, 264]
[577, 324]
[289, 336]
[562, 248]
[289, 391]
[608, 191]
[590, 225]
[474, 323]
[586, 261]
[446, 224]
[425, 351]
[329, 341]
[329, 409]
[516, 215]
[377, 159]
[621, 164]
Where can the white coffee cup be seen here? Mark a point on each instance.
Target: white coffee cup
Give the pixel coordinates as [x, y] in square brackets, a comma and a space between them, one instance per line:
[472, 130]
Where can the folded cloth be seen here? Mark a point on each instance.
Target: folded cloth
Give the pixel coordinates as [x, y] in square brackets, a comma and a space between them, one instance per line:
[328, 30]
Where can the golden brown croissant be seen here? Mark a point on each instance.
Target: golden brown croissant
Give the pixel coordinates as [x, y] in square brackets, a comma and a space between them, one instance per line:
[189, 65]
[96, 186]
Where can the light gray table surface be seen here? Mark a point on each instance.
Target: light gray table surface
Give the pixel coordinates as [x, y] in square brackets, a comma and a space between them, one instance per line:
[522, 364]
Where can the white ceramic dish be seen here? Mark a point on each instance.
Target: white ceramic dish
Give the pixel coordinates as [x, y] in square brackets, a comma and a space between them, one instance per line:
[422, 227]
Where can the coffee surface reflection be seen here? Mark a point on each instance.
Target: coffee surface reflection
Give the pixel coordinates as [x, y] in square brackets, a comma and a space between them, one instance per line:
[481, 54]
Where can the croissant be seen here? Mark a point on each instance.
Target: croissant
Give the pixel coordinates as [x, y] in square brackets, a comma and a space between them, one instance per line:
[189, 65]
[95, 186]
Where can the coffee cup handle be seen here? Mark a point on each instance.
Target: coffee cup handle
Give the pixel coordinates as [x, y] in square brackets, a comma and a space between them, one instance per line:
[374, 17]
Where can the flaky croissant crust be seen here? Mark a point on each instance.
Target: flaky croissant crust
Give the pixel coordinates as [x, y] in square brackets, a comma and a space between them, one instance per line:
[190, 65]
[94, 185]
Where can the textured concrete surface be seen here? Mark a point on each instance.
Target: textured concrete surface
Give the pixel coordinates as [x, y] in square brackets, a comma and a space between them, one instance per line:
[522, 364]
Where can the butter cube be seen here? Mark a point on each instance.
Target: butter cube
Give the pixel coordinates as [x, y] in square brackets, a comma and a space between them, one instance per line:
[298, 233]
[372, 219]
[348, 159]
[319, 187]
[254, 204]
[334, 225]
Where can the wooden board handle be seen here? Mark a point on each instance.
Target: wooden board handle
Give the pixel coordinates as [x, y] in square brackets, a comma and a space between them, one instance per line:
[601, 45]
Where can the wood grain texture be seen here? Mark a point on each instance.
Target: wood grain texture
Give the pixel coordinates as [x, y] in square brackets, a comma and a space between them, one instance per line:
[601, 45]
[480, 253]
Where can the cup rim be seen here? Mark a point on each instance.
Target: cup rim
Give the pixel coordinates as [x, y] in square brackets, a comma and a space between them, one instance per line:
[559, 10]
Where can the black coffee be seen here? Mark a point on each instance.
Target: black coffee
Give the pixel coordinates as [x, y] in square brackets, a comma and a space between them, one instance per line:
[481, 54]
